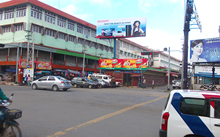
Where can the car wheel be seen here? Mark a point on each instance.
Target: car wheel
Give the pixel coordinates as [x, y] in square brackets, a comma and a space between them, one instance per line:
[75, 85]
[90, 86]
[173, 87]
[34, 86]
[55, 88]
[100, 86]
[65, 89]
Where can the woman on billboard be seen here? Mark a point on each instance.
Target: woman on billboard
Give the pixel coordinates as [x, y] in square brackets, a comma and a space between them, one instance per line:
[136, 30]
[197, 49]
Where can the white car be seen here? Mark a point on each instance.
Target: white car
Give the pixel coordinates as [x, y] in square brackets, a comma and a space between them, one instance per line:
[176, 84]
[191, 113]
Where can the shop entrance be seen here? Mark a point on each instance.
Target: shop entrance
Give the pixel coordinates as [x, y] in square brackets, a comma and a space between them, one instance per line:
[127, 79]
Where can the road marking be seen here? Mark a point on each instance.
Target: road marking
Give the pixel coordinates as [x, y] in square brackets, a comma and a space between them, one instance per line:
[60, 133]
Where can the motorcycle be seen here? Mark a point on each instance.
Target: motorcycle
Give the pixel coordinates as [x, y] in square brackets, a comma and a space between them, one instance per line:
[210, 87]
[8, 126]
[204, 87]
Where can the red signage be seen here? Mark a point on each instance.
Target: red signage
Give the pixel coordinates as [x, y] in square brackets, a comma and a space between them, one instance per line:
[126, 64]
[39, 64]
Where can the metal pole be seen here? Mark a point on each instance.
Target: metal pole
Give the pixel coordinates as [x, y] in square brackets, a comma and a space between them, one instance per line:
[141, 79]
[83, 62]
[16, 80]
[33, 57]
[114, 48]
[168, 88]
[28, 48]
[99, 68]
[185, 55]
[213, 76]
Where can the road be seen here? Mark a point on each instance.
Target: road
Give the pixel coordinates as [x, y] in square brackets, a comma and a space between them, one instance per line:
[82, 112]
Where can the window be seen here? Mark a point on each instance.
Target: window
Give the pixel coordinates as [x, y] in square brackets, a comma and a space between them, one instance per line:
[21, 11]
[111, 49]
[93, 33]
[79, 28]
[36, 12]
[217, 108]
[106, 48]
[121, 52]
[80, 41]
[43, 78]
[50, 32]
[1, 14]
[156, 55]
[6, 29]
[100, 46]
[94, 45]
[71, 25]
[36, 28]
[9, 13]
[49, 17]
[62, 35]
[18, 27]
[87, 31]
[194, 106]
[72, 38]
[125, 53]
[132, 55]
[51, 79]
[87, 43]
[129, 54]
[61, 22]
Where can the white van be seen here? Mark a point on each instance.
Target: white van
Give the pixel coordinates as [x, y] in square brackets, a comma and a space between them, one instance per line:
[191, 113]
[104, 77]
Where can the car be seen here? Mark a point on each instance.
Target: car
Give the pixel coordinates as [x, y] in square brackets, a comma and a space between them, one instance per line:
[191, 113]
[101, 82]
[104, 77]
[51, 82]
[84, 82]
[176, 84]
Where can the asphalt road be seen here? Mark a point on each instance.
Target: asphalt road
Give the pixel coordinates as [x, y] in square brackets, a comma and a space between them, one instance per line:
[82, 112]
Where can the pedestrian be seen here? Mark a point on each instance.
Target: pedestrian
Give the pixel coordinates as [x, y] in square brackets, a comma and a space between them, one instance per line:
[144, 83]
[25, 80]
[29, 80]
[113, 84]
[153, 84]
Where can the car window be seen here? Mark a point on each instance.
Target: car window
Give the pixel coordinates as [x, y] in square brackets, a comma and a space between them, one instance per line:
[195, 106]
[217, 109]
[51, 79]
[105, 77]
[99, 77]
[167, 101]
[42, 79]
[60, 78]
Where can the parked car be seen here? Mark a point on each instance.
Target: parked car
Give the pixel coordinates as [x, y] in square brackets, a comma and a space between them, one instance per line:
[104, 77]
[191, 113]
[101, 82]
[51, 82]
[176, 84]
[84, 82]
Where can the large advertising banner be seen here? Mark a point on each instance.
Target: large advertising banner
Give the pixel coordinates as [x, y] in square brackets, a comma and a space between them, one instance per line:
[39, 64]
[123, 64]
[205, 50]
[206, 70]
[127, 27]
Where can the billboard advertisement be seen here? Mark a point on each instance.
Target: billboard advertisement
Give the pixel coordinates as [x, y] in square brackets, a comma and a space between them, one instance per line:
[206, 70]
[116, 28]
[123, 64]
[39, 64]
[205, 50]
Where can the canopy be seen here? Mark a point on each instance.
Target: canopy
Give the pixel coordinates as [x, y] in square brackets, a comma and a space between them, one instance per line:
[73, 71]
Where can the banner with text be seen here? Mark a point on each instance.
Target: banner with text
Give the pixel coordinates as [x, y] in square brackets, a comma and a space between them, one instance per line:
[127, 27]
[123, 64]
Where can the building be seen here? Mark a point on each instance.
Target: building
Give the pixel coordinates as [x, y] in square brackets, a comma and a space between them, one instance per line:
[60, 41]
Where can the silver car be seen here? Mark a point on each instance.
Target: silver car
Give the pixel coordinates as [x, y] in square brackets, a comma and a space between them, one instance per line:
[51, 82]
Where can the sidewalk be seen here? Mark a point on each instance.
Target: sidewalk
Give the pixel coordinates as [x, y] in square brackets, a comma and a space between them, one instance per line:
[9, 83]
[157, 88]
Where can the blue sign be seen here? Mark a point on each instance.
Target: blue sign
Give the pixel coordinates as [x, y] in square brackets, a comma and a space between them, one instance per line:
[28, 66]
[205, 50]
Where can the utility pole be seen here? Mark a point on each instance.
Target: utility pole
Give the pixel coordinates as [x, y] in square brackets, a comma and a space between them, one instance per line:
[190, 13]
[84, 52]
[168, 87]
[32, 56]
[100, 58]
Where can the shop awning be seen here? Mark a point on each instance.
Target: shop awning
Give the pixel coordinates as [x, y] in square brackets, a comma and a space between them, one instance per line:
[73, 71]
[136, 75]
[11, 70]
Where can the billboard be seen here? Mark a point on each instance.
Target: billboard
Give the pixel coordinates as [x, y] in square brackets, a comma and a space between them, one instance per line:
[206, 70]
[39, 64]
[123, 64]
[116, 28]
[205, 50]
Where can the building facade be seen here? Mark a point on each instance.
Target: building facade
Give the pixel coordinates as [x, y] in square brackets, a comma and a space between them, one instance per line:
[59, 39]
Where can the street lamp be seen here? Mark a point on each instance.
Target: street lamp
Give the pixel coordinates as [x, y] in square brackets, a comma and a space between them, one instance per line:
[168, 85]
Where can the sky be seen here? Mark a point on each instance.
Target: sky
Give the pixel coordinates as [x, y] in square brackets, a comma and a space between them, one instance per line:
[164, 18]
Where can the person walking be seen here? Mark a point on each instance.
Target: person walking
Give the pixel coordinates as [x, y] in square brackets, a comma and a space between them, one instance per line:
[144, 83]
[113, 82]
[153, 84]
[29, 80]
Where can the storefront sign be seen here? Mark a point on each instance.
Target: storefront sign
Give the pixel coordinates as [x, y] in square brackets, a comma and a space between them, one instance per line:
[123, 64]
[39, 64]
[43, 65]
[206, 70]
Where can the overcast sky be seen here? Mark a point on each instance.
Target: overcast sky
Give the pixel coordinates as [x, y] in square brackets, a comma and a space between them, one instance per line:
[164, 18]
